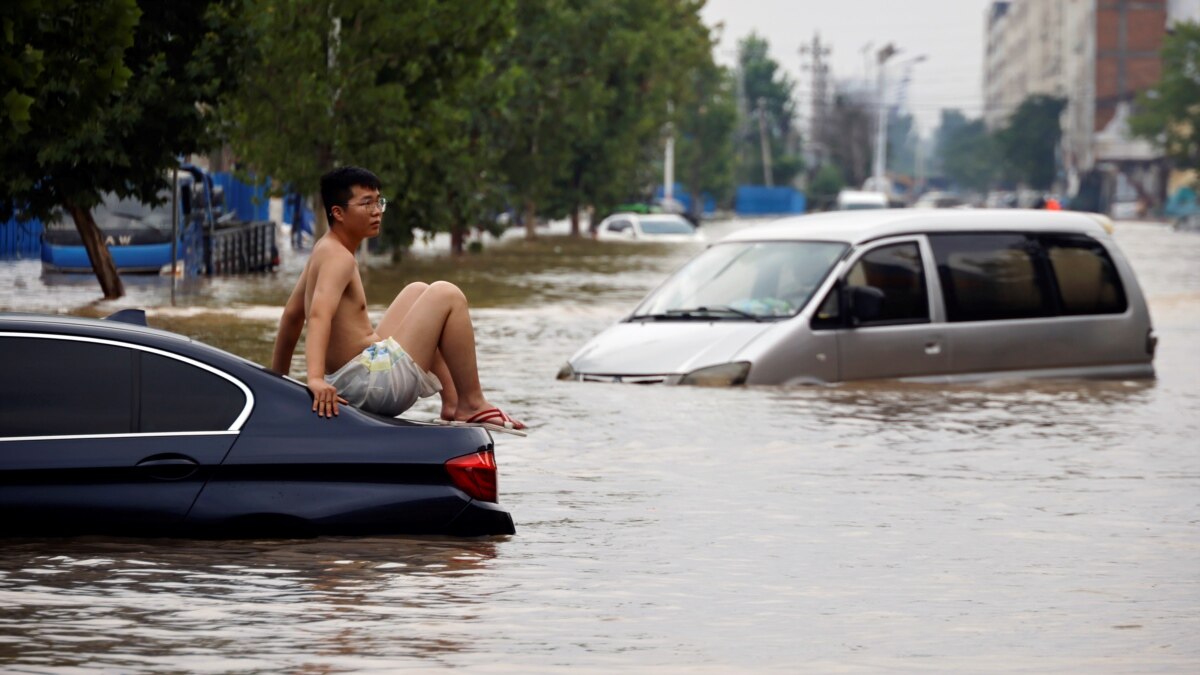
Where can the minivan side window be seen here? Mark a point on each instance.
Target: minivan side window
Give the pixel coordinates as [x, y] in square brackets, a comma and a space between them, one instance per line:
[898, 272]
[54, 387]
[991, 276]
[1087, 279]
[177, 396]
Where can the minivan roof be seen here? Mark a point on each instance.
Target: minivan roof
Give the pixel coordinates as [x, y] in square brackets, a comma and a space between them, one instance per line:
[855, 227]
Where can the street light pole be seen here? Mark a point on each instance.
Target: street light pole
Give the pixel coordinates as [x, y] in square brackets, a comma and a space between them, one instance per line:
[877, 173]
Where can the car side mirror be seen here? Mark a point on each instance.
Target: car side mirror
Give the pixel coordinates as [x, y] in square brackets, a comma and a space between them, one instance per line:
[866, 303]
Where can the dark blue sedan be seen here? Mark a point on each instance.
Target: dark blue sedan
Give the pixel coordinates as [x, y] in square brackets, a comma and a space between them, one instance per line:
[107, 426]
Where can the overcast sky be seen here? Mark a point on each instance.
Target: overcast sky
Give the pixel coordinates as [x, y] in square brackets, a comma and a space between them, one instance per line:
[949, 33]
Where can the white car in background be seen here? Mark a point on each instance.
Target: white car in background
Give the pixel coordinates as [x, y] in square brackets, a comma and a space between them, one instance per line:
[854, 200]
[652, 227]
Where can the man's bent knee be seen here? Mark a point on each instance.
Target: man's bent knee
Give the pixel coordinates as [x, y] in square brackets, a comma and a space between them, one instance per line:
[448, 291]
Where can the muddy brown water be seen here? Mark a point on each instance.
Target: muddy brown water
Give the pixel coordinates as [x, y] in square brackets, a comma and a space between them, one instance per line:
[1002, 527]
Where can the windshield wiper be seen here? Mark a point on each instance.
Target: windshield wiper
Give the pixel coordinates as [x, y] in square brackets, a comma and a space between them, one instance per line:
[699, 313]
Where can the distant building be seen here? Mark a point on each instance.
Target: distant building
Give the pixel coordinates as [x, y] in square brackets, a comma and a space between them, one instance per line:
[1024, 55]
[1098, 54]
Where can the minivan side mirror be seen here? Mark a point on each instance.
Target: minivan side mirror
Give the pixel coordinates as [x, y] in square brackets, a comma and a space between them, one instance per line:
[866, 303]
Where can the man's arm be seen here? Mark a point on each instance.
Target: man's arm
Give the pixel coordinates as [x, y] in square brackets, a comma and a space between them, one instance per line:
[290, 325]
[333, 275]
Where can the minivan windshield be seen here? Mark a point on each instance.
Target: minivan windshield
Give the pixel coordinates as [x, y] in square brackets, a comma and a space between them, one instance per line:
[744, 281]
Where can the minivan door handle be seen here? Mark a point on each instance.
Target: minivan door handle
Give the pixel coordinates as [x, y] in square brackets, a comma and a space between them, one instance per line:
[168, 466]
[933, 348]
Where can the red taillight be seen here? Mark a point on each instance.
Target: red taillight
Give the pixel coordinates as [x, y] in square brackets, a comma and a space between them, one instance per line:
[475, 474]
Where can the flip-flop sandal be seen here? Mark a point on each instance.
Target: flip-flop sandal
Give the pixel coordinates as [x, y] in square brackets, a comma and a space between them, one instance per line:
[492, 419]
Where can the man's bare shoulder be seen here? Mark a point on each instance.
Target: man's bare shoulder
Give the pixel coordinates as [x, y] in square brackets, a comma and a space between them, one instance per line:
[327, 253]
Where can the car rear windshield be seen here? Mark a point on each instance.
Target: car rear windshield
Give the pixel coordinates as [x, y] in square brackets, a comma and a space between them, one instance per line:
[745, 280]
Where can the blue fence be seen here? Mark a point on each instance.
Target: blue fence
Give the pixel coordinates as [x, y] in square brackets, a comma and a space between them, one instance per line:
[755, 200]
[21, 240]
[250, 202]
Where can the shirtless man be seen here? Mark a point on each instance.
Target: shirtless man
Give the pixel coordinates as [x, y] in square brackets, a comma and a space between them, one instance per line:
[424, 343]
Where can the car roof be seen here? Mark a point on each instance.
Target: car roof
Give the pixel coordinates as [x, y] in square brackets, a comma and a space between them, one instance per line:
[855, 227]
[119, 331]
[862, 194]
[633, 215]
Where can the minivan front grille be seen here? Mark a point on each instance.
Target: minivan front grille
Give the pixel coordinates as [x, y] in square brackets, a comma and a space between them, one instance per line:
[623, 379]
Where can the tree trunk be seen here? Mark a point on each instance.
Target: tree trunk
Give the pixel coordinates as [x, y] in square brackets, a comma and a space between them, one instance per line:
[530, 220]
[575, 221]
[457, 238]
[98, 253]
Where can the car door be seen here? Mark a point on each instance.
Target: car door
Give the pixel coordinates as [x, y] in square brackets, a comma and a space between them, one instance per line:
[98, 435]
[905, 339]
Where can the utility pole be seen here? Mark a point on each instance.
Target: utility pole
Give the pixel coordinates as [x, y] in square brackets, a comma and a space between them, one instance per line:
[819, 118]
[763, 142]
[669, 159]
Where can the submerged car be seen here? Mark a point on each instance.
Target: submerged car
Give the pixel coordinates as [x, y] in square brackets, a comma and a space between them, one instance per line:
[854, 200]
[112, 427]
[939, 295]
[664, 227]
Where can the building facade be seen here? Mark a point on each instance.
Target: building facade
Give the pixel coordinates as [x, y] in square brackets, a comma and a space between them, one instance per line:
[1098, 55]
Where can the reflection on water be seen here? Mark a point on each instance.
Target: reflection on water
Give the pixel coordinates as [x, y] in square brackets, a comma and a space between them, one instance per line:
[882, 526]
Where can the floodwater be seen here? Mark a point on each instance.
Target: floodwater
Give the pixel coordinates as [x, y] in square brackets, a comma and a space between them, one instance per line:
[1002, 527]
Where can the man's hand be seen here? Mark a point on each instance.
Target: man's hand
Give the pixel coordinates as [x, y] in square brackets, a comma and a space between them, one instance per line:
[325, 398]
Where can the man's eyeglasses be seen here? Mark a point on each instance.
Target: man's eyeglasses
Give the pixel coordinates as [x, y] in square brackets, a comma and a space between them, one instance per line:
[372, 204]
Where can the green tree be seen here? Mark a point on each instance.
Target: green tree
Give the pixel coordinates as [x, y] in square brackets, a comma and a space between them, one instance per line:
[389, 86]
[1029, 142]
[1169, 113]
[902, 142]
[767, 95]
[704, 151]
[646, 60]
[533, 128]
[113, 94]
[849, 137]
[965, 152]
[825, 186]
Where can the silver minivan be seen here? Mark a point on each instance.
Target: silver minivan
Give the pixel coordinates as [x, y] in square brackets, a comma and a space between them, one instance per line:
[926, 295]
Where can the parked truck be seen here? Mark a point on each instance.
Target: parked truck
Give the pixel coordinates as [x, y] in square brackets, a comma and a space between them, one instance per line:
[191, 227]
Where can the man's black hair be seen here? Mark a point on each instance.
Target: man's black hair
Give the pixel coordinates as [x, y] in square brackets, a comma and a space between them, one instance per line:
[337, 186]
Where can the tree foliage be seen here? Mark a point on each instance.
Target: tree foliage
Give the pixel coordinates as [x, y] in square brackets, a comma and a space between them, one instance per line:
[1029, 142]
[766, 91]
[966, 152]
[704, 150]
[591, 98]
[114, 93]
[1169, 113]
[399, 88]
[825, 186]
[850, 141]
